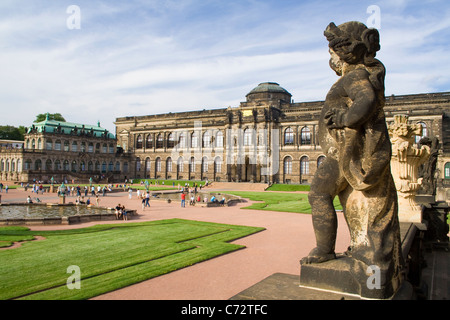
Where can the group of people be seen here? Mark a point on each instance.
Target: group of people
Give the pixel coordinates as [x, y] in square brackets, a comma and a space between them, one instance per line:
[121, 212]
[194, 199]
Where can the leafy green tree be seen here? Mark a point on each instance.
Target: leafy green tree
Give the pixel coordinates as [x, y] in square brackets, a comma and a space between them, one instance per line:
[52, 116]
[12, 133]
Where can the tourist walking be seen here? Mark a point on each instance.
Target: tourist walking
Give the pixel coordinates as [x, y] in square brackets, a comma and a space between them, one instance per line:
[147, 199]
[183, 200]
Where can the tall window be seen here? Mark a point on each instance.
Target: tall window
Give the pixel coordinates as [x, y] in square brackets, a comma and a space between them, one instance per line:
[320, 160]
[158, 164]
[49, 144]
[147, 165]
[304, 165]
[66, 145]
[182, 140]
[289, 136]
[305, 136]
[74, 146]
[219, 139]
[194, 140]
[171, 141]
[288, 165]
[160, 141]
[248, 137]
[180, 164]
[207, 139]
[169, 165]
[58, 145]
[149, 141]
[218, 165]
[205, 164]
[138, 164]
[139, 142]
[192, 164]
[424, 132]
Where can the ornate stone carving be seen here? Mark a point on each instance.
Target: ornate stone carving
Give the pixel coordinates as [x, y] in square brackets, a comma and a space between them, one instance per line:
[406, 159]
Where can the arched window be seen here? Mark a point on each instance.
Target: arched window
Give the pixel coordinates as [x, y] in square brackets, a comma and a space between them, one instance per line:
[207, 139]
[39, 144]
[147, 165]
[117, 166]
[91, 147]
[111, 148]
[192, 165]
[248, 137]
[74, 166]
[287, 165]
[83, 166]
[149, 141]
[66, 165]
[139, 142]
[48, 165]
[58, 165]
[424, 132]
[58, 145]
[320, 160]
[304, 165]
[180, 164]
[305, 136]
[169, 165]
[219, 139]
[33, 144]
[158, 164]
[28, 164]
[37, 165]
[160, 141]
[104, 148]
[194, 140]
[138, 164]
[182, 140]
[49, 144]
[171, 141]
[111, 166]
[74, 146]
[104, 167]
[288, 137]
[66, 145]
[83, 147]
[218, 165]
[90, 166]
[204, 164]
[97, 149]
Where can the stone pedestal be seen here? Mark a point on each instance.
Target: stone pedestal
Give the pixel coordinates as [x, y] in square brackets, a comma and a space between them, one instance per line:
[62, 199]
[344, 275]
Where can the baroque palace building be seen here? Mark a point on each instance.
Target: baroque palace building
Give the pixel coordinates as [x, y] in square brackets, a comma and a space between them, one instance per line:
[63, 151]
[268, 138]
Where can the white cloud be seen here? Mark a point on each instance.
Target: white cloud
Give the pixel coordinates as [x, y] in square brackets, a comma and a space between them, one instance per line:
[140, 57]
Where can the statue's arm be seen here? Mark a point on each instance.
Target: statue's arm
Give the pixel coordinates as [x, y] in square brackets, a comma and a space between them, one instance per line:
[362, 104]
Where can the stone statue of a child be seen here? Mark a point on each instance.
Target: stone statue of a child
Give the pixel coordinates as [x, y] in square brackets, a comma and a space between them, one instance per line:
[354, 136]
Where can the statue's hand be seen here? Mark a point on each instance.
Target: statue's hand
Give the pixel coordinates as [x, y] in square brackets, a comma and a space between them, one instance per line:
[333, 119]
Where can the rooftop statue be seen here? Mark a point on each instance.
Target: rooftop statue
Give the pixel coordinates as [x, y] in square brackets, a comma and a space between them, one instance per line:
[354, 136]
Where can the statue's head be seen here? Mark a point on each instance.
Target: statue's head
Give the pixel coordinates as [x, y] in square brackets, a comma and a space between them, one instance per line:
[353, 43]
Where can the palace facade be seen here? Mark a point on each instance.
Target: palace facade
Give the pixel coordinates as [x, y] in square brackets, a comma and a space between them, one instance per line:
[268, 138]
[63, 151]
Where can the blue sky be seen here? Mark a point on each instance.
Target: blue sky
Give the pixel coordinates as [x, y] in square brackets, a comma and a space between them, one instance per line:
[148, 57]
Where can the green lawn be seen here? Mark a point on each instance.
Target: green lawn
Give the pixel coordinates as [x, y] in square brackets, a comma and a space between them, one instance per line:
[109, 256]
[289, 187]
[285, 202]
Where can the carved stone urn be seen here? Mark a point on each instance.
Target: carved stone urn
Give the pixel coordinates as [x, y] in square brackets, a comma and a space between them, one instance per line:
[405, 162]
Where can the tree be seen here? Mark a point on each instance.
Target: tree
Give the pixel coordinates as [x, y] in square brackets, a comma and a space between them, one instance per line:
[51, 116]
[12, 133]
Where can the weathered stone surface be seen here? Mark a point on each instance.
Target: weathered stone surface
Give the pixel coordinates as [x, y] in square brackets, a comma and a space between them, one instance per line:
[354, 135]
